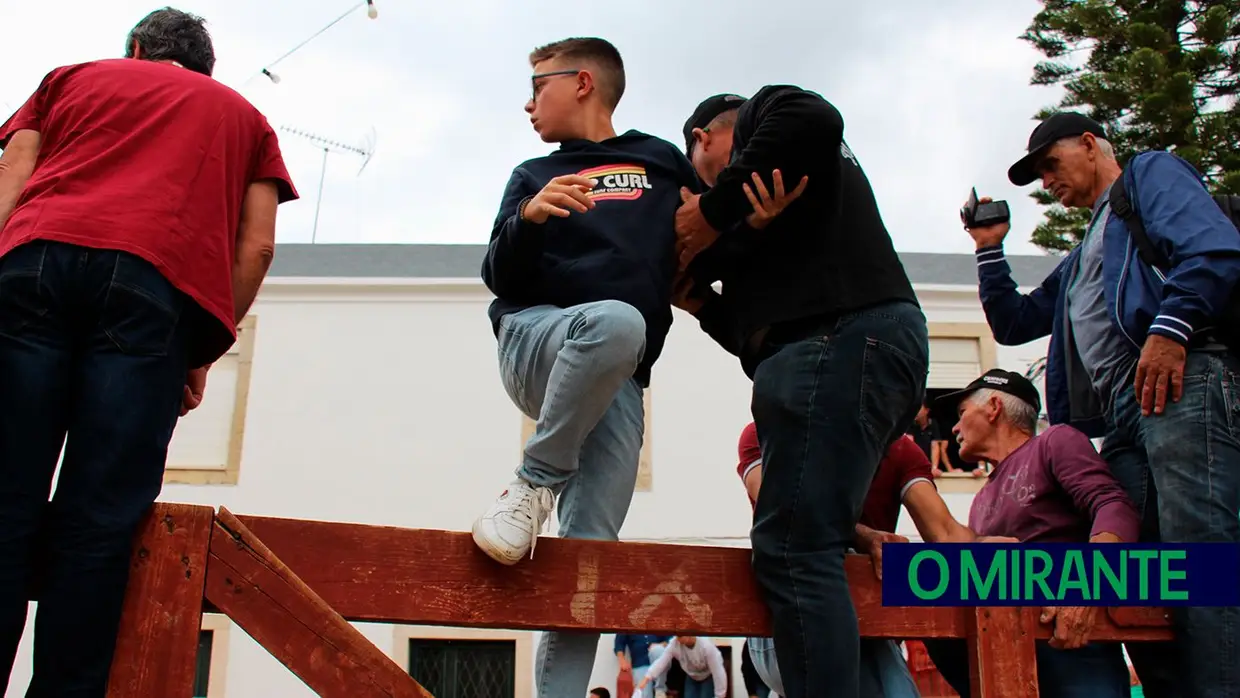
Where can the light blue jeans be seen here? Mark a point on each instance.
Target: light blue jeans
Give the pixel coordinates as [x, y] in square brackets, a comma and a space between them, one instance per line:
[571, 370]
[881, 659]
[656, 651]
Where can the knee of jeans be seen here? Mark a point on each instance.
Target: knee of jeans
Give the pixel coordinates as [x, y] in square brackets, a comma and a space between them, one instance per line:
[619, 329]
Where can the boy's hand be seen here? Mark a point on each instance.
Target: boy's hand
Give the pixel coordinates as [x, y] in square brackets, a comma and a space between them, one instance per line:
[561, 194]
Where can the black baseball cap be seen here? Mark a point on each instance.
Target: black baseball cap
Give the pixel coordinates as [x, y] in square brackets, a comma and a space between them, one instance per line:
[1057, 126]
[994, 379]
[706, 113]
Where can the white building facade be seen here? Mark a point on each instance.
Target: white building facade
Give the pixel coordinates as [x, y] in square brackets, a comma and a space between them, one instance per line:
[364, 388]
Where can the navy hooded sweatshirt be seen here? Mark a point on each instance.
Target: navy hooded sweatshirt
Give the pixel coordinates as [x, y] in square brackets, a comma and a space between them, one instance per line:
[623, 249]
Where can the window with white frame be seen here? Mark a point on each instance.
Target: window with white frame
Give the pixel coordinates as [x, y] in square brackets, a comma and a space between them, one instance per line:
[467, 662]
[212, 656]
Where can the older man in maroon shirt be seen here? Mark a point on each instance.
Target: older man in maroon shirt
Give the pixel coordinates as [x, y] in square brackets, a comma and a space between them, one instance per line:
[1051, 487]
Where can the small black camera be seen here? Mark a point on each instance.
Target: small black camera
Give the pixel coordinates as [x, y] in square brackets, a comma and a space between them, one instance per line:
[979, 215]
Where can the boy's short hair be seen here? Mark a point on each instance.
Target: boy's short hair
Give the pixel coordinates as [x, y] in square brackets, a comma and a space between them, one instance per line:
[599, 53]
[600, 692]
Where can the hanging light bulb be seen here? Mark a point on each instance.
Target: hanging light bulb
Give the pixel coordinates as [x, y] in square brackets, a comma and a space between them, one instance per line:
[372, 11]
[275, 79]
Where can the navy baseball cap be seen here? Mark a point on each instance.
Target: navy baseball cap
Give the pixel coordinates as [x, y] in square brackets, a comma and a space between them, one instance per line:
[995, 379]
[1056, 127]
[706, 112]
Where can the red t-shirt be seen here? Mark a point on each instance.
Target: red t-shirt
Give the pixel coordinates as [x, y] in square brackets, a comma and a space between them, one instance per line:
[903, 465]
[147, 158]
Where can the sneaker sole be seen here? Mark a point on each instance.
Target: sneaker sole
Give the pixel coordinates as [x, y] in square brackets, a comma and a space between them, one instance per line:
[492, 552]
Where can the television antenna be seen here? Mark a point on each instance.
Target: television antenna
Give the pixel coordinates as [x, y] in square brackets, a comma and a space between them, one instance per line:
[366, 150]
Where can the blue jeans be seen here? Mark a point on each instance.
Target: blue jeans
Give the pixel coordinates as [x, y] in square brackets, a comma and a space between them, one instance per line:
[827, 407]
[93, 347]
[1096, 670]
[699, 689]
[1182, 469]
[656, 651]
[571, 370]
[881, 659]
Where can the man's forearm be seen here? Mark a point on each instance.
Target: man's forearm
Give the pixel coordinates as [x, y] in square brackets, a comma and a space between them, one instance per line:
[249, 271]
[953, 532]
[16, 165]
[256, 244]
[11, 186]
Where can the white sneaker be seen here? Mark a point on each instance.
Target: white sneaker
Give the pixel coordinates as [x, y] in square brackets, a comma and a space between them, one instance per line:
[511, 526]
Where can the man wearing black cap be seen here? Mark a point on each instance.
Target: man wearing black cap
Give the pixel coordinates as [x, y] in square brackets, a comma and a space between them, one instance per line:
[1133, 356]
[1048, 488]
[824, 320]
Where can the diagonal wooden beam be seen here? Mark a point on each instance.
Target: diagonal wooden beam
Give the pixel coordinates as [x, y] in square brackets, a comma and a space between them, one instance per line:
[261, 594]
[158, 641]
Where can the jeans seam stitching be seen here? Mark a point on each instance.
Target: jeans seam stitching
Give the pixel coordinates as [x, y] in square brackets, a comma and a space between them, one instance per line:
[822, 352]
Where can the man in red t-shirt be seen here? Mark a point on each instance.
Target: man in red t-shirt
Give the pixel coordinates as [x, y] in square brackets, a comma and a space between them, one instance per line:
[137, 220]
[904, 478]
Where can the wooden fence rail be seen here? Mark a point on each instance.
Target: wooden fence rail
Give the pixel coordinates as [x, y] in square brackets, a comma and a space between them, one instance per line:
[294, 585]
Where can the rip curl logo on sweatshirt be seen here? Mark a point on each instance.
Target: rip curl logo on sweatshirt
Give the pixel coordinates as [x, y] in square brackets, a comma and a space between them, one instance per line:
[617, 182]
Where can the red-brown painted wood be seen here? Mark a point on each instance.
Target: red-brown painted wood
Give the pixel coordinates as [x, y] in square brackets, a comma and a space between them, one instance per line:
[158, 641]
[429, 577]
[1002, 661]
[426, 577]
[265, 598]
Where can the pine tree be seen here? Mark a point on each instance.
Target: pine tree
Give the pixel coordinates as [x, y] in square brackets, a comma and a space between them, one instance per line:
[1158, 74]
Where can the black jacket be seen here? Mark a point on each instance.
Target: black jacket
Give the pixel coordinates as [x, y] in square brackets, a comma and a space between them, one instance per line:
[623, 249]
[827, 254]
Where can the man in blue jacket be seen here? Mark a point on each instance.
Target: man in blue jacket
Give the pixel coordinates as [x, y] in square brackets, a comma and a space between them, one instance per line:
[1133, 358]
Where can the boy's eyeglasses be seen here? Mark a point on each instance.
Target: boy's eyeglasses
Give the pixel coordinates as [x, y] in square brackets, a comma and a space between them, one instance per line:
[537, 87]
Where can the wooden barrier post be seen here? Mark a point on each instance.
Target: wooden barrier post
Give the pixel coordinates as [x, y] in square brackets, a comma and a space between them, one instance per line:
[162, 617]
[1002, 661]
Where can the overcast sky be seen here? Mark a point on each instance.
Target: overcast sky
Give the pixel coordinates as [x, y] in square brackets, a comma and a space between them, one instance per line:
[935, 95]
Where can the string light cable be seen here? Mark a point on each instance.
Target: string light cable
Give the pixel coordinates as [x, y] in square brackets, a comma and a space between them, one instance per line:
[268, 70]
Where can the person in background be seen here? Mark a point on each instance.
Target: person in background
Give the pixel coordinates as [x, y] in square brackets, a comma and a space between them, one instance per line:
[903, 478]
[755, 687]
[926, 433]
[636, 652]
[1048, 488]
[703, 665]
[599, 692]
[138, 203]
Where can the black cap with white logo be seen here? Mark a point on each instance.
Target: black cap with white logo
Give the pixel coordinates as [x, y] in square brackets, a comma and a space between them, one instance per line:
[706, 112]
[995, 379]
[1055, 128]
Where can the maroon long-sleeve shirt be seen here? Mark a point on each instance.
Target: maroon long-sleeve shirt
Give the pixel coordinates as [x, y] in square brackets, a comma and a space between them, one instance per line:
[1054, 489]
